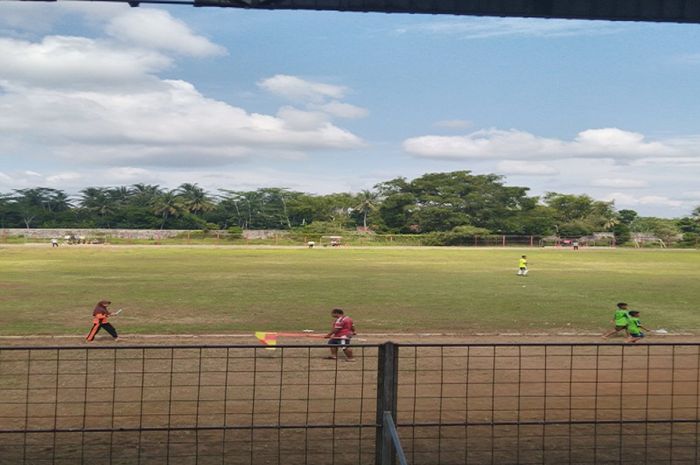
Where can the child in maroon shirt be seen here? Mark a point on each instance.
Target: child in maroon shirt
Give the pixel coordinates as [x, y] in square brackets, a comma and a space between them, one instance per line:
[343, 329]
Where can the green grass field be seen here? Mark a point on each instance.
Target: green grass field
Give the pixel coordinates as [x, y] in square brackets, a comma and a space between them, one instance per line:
[215, 290]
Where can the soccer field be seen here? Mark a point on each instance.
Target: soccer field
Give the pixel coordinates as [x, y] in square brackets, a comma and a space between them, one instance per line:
[216, 290]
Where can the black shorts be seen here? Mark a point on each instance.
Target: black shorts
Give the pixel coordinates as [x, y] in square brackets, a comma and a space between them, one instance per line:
[339, 341]
[637, 335]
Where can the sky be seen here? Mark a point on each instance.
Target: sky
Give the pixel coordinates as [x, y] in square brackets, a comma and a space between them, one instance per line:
[103, 94]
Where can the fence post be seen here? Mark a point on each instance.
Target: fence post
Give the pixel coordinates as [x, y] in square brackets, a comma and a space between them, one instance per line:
[387, 376]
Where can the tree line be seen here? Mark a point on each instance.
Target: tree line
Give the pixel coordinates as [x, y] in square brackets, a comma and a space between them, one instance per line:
[457, 201]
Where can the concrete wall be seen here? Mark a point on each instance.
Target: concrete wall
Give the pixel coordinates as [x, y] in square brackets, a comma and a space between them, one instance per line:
[156, 234]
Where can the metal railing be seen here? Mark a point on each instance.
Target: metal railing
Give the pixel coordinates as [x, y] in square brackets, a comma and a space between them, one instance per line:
[549, 403]
[451, 404]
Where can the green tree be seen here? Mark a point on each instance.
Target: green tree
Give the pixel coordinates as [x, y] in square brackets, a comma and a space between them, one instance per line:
[580, 214]
[194, 199]
[442, 201]
[29, 204]
[367, 202]
[665, 229]
[144, 195]
[627, 216]
[168, 205]
[97, 200]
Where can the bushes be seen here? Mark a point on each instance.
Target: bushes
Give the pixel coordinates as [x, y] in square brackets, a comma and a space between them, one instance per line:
[460, 235]
[235, 232]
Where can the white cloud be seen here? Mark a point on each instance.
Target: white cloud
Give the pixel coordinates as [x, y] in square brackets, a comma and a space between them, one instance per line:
[485, 28]
[209, 179]
[525, 168]
[630, 200]
[298, 89]
[157, 29]
[499, 144]
[301, 119]
[342, 110]
[74, 62]
[619, 183]
[454, 124]
[318, 97]
[129, 175]
[101, 102]
[690, 161]
[22, 179]
[61, 178]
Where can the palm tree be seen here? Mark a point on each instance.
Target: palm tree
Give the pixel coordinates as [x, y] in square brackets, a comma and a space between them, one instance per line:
[144, 195]
[367, 203]
[230, 197]
[611, 222]
[119, 195]
[194, 199]
[168, 205]
[96, 199]
[271, 199]
[249, 198]
[59, 201]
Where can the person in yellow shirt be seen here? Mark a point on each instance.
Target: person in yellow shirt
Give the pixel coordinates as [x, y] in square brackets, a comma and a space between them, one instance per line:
[522, 266]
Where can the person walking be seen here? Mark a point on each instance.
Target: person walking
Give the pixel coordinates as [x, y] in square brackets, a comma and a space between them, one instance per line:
[342, 331]
[620, 320]
[522, 266]
[100, 314]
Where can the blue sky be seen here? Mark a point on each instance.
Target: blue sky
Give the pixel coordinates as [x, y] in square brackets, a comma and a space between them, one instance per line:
[104, 94]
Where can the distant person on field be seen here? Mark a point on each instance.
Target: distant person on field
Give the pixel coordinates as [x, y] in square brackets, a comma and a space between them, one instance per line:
[620, 320]
[54, 242]
[575, 244]
[634, 327]
[522, 266]
[342, 331]
[99, 320]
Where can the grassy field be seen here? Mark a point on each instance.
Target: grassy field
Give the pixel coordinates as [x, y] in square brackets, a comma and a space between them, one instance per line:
[215, 290]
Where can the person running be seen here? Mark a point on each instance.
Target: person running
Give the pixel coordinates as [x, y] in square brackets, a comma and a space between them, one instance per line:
[99, 321]
[342, 331]
[522, 266]
[620, 320]
[634, 327]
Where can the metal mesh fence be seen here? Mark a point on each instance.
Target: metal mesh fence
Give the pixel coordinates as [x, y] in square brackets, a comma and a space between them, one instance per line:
[549, 404]
[453, 404]
[185, 405]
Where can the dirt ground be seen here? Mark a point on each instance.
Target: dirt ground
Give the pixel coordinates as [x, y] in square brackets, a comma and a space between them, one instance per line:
[147, 403]
[371, 338]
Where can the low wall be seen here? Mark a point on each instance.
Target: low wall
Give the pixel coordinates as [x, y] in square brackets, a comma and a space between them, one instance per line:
[156, 234]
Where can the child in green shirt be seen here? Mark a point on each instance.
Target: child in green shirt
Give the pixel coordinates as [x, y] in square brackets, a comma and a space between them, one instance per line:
[634, 327]
[620, 320]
